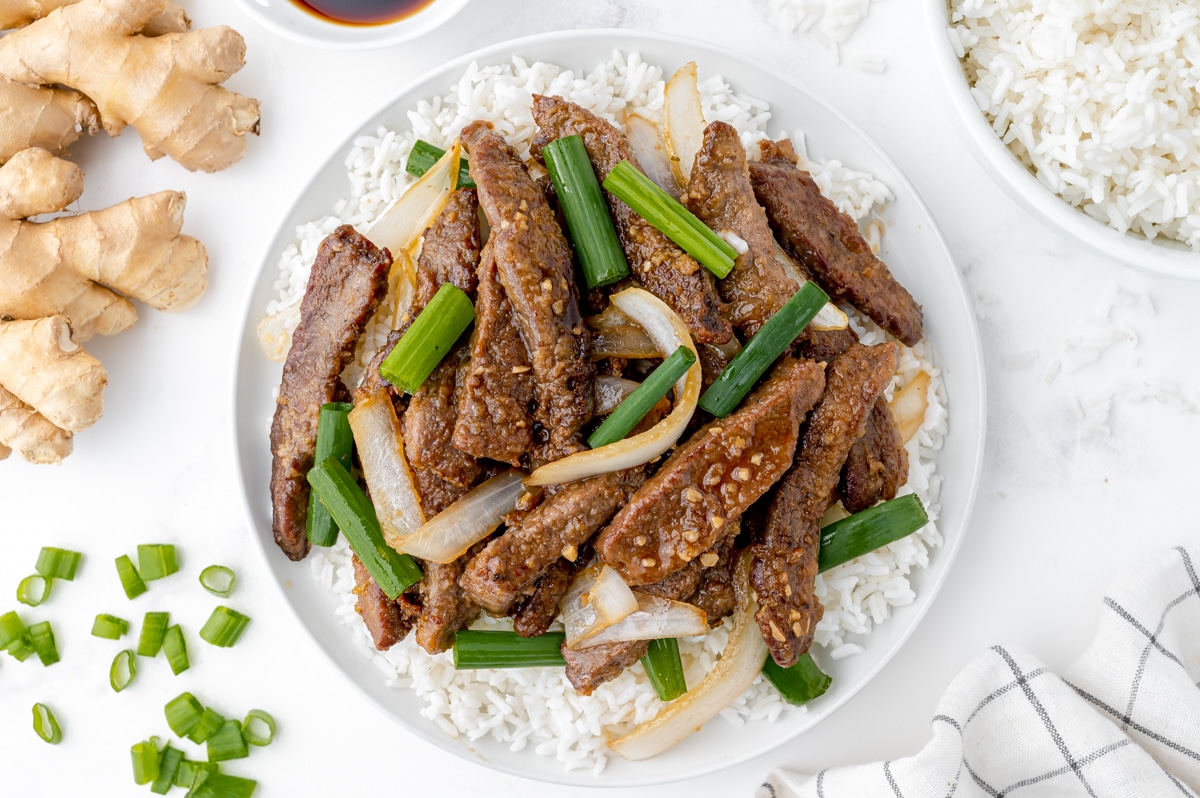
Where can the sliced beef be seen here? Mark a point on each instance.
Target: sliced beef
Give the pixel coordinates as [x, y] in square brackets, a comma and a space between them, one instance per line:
[533, 263]
[824, 346]
[878, 463]
[387, 621]
[347, 283]
[716, 593]
[444, 607]
[533, 614]
[712, 362]
[828, 244]
[784, 562]
[429, 426]
[708, 482]
[667, 271]
[373, 381]
[588, 668]
[449, 248]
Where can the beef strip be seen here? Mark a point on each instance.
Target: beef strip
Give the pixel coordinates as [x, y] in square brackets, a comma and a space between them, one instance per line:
[709, 481]
[533, 263]
[373, 381]
[533, 614]
[715, 593]
[444, 607]
[449, 248]
[828, 244]
[429, 426]
[347, 283]
[824, 346]
[877, 464]
[387, 621]
[784, 564]
[667, 271]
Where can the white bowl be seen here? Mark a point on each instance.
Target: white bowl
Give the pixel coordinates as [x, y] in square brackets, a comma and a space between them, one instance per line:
[290, 21]
[1160, 256]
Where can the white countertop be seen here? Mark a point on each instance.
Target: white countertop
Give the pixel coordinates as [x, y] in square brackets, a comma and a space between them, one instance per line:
[1060, 512]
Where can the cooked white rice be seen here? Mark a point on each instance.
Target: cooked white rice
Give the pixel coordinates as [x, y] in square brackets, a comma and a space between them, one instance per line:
[1098, 98]
[536, 709]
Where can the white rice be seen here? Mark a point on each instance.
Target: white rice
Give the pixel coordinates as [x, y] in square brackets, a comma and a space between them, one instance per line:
[536, 709]
[1098, 98]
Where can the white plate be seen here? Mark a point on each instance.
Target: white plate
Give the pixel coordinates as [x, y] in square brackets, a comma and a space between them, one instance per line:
[913, 248]
[290, 21]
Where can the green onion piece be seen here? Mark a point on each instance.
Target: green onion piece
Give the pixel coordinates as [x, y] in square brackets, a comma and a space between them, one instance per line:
[46, 725]
[224, 627]
[427, 341]
[227, 743]
[21, 649]
[762, 350]
[42, 637]
[633, 407]
[110, 627]
[183, 714]
[800, 683]
[218, 580]
[34, 589]
[208, 724]
[222, 785]
[870, 529]
[424, 155]
[168, 766]
[11, 629]
[350, 507]
[175, 648]
[188, 770]
[600, 254]
[665, 668]
[154, 629]
[123, 671]
[673, 220]
[130, 581]
[55, 563]
[145, 762]
[334, 439]
[156, 560]
[481, 649]
[252, 734]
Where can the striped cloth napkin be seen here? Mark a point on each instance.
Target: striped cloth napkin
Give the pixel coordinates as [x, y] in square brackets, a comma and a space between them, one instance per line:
[1124, 721]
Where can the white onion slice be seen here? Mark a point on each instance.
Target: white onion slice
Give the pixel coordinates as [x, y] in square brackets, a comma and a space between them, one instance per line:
[597, 599]
[381, 452]
[275, 331]
[909, 406]
[655, 618]
[737, 669]
[683, 122]
[447, 536]
[403, 222]
[651, 153]
[611, 391]
[668, 333]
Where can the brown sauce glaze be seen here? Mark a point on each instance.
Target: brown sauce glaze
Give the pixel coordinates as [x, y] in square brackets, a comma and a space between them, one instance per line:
[363, 12]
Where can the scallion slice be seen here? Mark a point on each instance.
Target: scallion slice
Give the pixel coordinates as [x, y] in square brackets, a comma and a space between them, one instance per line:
[251, 731]
[46, 725]
[145, 762]
[154, 629]
[42, 637]
[224, 627]
[156, 560]
[352, 510]
[427, 341]
[670, 217]
[183, 714]
[175, 648]
[188, 770]
[123, 671]
[424, 155]
[55, 563]
[20, 649]
[484, 649]
[665, 668]
[227, 743]
[222, 785]
[110, 627]
[762, 350]
[34, 589]
[208, 724]
[336, 440]
[168, 766]
[130, 581]
[591, 228]
[870, 529]
[218, 580]
[633, 407]
[12, 629]
[800, 683]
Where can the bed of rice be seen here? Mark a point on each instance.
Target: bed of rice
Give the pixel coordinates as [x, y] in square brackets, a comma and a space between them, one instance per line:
[1098, 98]
[536, 709]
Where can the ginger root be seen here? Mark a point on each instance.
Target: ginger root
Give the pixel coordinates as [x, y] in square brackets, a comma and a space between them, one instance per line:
[40, 116]
[16, 13]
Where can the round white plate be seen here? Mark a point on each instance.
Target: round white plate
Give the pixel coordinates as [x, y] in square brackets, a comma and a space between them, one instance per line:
[912, 247]
[287, 19]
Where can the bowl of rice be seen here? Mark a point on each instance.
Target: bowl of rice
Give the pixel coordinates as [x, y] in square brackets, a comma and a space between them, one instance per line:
[1085, 112]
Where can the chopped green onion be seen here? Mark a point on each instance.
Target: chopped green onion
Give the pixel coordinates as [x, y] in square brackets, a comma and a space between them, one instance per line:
[110, 627]
[762, 350]
[188, 770]
[227, 743]
[42, 637]
[46, 725]
[600, 255]
[224, 627]
[222, 785]
[175, 648]
[218, 580]
[635, 406]
[334, 439]
[430, 337]
[870, 529]
[34, 589]
[673, 220]
[154, 629]
[55, 563]
[21, 649]
[11, 629]
[168, 766]
[183, 714]
[123, 671]
[253, 736]
[145, 762]
[665, 668]
[424, 155]
[352, 510]
[800, 683]
[481, 649]
[156, 560]
[208, 724]
[130, 581]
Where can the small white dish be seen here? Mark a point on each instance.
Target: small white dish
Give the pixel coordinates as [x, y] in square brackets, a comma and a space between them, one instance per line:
[289, 20]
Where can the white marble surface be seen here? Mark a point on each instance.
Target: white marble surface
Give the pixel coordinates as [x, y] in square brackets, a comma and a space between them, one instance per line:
[1060, 512]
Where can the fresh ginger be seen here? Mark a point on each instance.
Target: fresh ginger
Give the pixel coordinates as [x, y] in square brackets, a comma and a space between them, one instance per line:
[41, 116]
[16, 13]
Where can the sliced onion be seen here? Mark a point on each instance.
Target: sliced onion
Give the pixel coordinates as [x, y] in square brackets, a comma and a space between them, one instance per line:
[447, 536]
[402, 223]
[829, 317]
[611, 391]
[668, 333]
[648, 147]
[683, 129]
[655, 618]
[909, 404]
[628, 342]
[597, 599]
[275, 331]
[737, 669]
[381, 452]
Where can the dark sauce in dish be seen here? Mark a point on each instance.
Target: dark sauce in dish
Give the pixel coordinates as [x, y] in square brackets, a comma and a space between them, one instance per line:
[363, 12]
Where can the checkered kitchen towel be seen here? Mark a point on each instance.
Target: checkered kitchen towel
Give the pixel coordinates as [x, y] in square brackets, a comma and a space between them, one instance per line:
[1124, 722]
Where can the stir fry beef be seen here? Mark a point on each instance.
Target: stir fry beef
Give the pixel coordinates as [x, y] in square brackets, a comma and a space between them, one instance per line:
[878, 463]
[784, 564]
[347, 283]
[444, 607]
[828, 244]
[533, 614]
[387, 621]
[663, 268]
[533, 263]
[588, 668]
[429, 427]
[824, 346]
[689, 505]
[715, 593]
[449, 248]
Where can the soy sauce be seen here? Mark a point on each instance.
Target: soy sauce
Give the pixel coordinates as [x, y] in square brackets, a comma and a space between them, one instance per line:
[363, 12]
